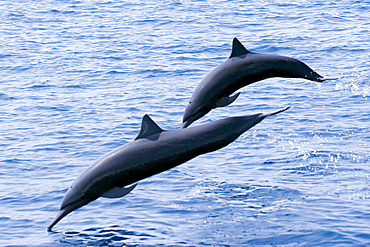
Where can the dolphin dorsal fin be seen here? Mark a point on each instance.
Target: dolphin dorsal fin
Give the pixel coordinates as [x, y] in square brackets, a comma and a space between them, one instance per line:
[238, 49]
[148, 127]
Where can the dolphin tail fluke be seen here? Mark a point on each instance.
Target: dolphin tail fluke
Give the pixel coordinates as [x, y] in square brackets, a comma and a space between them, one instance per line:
[322, 79]
[274, 113]
[330, 78]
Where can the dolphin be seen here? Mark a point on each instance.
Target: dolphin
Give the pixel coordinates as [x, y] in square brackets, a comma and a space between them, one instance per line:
[153, 151]
[241, 69]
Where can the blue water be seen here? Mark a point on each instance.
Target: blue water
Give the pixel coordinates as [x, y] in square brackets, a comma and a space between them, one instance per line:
[76, 77]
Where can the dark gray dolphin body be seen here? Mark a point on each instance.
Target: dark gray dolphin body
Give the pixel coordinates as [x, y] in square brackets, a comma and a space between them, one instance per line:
[241, 69]
[153, 151]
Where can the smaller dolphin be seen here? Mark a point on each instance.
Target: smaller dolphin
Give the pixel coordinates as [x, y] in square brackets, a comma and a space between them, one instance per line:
[153, 151]
[241, 69]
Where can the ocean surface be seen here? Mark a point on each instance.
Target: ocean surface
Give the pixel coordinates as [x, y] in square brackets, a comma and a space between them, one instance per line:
[76, 78]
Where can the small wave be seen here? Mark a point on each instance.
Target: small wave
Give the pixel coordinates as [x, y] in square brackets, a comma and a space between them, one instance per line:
[316, 238]
[99, 236]
[357, 88]
[326, 163]
[4, 96]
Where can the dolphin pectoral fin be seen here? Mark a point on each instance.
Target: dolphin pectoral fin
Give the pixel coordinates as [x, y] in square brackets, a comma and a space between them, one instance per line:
[117, 192]
[227, 100]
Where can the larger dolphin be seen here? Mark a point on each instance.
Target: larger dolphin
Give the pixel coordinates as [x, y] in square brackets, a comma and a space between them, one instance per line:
[241, 69]
[153, 151]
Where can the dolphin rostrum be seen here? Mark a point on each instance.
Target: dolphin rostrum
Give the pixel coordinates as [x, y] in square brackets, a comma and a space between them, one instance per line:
[153, 151]
[241, 69]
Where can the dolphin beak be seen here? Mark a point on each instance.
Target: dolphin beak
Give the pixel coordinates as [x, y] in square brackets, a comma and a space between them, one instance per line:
[60, 216]
[66, 210]
[194, 118]
[191, 119]
[186, 124]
